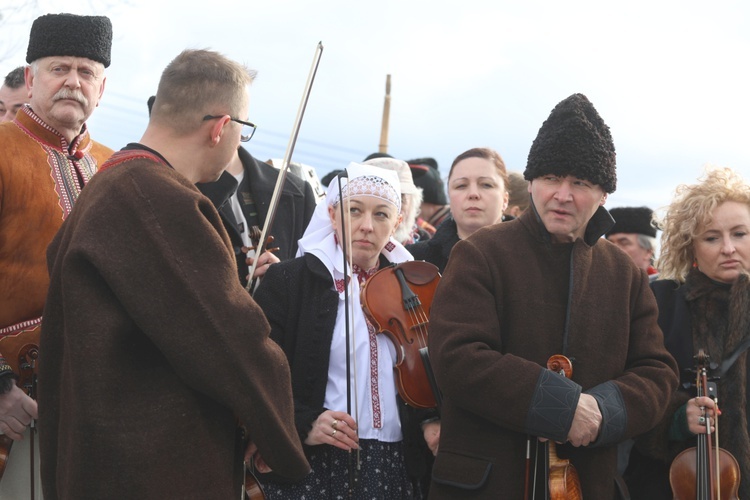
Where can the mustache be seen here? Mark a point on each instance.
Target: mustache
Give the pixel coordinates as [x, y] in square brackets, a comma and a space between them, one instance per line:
[76, 95]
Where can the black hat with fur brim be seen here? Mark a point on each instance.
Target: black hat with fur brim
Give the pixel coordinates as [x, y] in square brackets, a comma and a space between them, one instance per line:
[71, 35]
[632, 220]
[575, 141]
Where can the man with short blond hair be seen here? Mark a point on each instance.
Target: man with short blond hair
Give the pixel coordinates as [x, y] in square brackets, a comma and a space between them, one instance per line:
[159, 351]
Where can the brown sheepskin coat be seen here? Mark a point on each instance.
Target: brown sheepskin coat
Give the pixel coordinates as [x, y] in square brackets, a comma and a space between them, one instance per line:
[510, 299]
[153, 351]
[34, 201]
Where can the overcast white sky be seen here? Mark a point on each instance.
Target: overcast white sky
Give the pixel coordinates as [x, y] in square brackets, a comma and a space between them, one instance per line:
[670, 78]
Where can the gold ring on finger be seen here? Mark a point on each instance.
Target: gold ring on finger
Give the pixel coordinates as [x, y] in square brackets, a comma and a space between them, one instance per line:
[334, 423]
[333, 434]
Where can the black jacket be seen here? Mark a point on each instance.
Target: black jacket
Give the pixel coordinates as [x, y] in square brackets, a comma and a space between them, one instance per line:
[437, 249]
[295, 208]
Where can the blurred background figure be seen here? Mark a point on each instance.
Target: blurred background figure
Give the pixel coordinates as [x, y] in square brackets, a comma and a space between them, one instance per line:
[326, 179]
[408, 231]
[634, 233]
[704, 298]
[13, 94]
[518, 194]
[477, 188]
[435, 208]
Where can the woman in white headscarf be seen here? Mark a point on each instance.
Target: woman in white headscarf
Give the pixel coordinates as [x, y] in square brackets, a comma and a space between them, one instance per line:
[304, 301]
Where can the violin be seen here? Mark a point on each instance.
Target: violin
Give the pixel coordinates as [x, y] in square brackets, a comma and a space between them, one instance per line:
[397, 301]
[21, 352]
[251, 489]
[697, 472]
[255, 235]
[562, 476]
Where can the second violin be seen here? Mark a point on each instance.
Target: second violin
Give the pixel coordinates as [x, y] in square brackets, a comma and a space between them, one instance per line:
[397, 301]
[699, 472]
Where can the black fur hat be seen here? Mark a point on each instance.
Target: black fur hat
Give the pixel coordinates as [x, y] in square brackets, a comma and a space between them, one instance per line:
[71, 35]
[574, 140]
[632, 220]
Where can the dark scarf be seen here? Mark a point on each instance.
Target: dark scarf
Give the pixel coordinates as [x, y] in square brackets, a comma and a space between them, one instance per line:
[720, 316]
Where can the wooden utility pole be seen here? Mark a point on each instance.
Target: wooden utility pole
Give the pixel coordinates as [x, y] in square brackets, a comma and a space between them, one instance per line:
[386, 115]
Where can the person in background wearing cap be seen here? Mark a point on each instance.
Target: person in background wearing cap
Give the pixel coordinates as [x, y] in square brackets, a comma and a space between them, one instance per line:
[407, 231]
[477, 188]
[636, 235]
[546, 283]
[46, 158]
[434, 209]
[13, 94]
[158, 352]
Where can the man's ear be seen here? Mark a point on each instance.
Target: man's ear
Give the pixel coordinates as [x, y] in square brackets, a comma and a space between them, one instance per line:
[28, 75]
[101, 91]
[217, 129]
[603, 200]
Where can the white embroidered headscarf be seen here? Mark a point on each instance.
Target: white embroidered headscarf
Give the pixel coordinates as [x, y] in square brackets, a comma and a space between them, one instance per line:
[363, 180]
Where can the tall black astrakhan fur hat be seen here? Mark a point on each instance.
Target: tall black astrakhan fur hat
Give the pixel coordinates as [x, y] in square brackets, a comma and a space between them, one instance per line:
[71, 35]
[632, 220]
[574, 140]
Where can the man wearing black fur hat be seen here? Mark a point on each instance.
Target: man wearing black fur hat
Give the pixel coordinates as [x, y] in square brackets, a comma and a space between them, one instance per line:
[634, 233]
[47, 156]
[546, 283]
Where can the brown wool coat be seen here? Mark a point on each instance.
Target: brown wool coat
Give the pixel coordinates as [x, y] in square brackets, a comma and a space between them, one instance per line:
[499, 313]
[153, 350]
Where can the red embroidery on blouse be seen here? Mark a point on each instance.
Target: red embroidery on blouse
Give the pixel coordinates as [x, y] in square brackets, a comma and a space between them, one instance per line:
[377, 421]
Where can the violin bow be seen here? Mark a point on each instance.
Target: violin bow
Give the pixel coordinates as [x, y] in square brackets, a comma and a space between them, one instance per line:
[349, 326]
[284, 166]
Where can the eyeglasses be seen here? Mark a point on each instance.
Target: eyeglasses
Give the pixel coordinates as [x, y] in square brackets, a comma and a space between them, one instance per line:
[248, 129]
